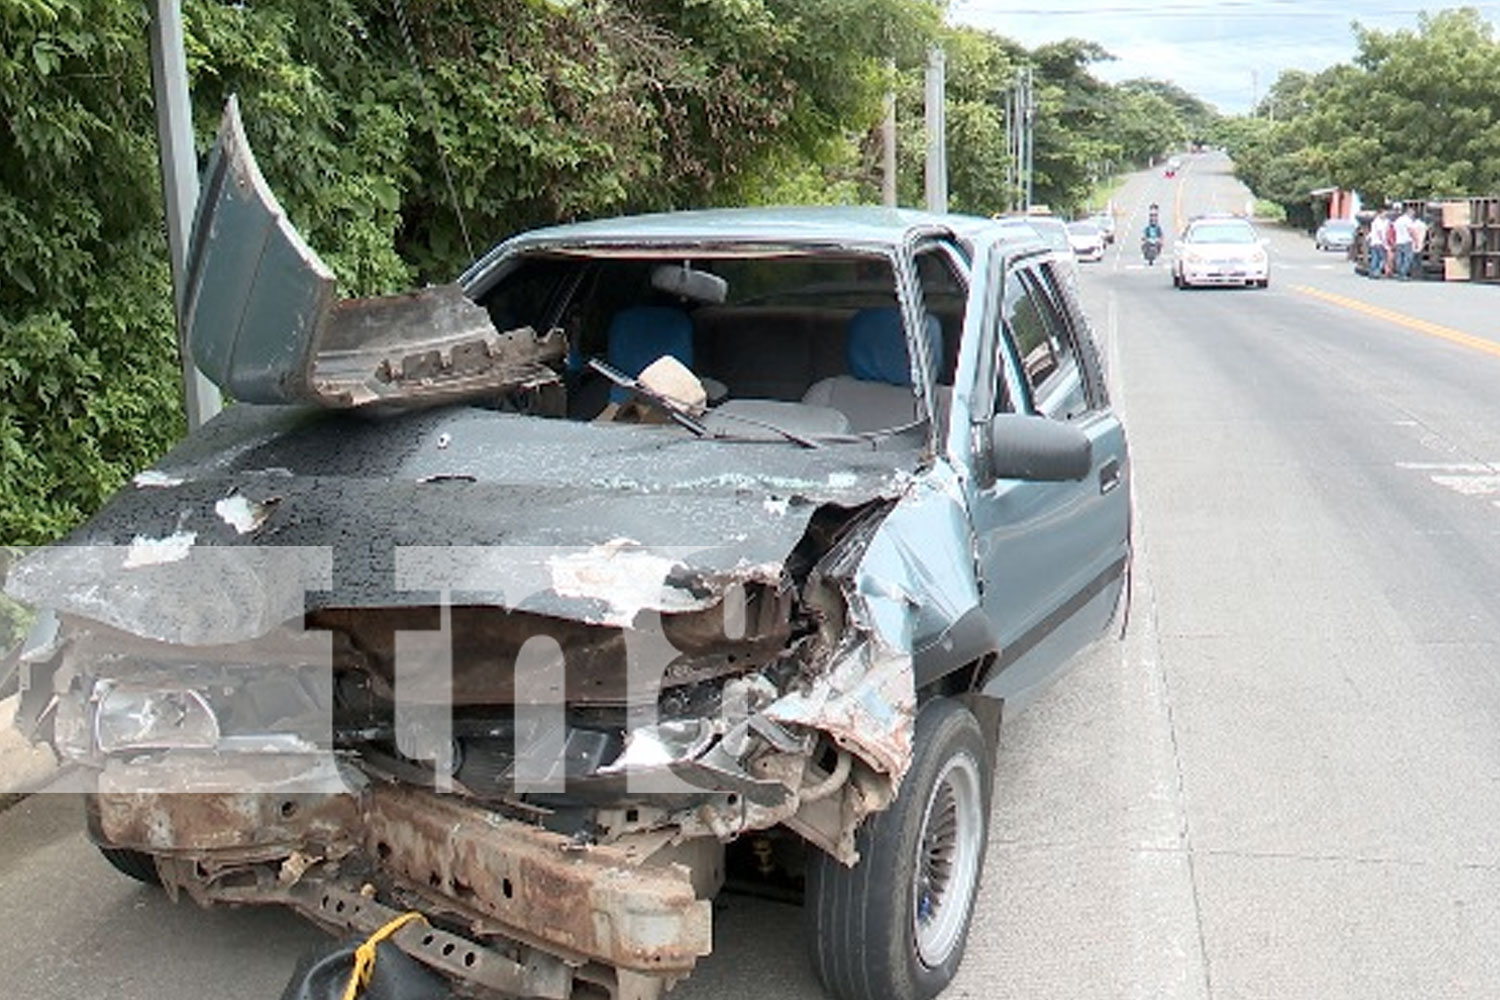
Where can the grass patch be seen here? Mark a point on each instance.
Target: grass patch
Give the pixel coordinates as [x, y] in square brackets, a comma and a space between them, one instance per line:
[1103, 192]
[1269, 211]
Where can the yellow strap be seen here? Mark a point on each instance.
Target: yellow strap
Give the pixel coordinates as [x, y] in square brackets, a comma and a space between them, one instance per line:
[364, 955]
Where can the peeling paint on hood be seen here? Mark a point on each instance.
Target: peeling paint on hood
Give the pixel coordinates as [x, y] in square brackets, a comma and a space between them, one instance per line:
[359, 489]
[244, 515]
[145, 551]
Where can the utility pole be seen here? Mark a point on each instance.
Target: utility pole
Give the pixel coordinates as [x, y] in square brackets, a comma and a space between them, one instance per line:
[937, 132]
[1020, 136]
[888, 143]
[1028, 125]
[1012, 160]
[179, 182]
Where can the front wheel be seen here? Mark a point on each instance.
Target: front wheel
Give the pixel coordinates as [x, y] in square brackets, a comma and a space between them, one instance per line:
[895, 925]
[136, 864]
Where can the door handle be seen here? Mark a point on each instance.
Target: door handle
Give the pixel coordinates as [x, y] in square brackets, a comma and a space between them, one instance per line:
[1109, 476]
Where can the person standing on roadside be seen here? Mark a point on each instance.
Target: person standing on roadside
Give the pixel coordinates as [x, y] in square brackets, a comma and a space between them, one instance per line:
[1401, 228]
[1380, 228]
[1418, 244]
[1390, 238]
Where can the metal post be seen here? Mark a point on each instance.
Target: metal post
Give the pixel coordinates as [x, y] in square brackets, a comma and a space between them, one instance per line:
[1011, 150]
[937, 138]
[888, 146]
[1028, 118]
[179, 181]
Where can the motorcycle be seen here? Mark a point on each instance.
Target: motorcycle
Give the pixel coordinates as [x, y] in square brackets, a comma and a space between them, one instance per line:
[1151, 249]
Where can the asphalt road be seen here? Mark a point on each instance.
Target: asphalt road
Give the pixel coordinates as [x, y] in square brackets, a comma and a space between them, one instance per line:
[1283, 783]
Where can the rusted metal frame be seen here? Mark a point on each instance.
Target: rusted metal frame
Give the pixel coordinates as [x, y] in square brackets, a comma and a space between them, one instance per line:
[344, 910]
[597, 902]
[540, 975]
[258, 824]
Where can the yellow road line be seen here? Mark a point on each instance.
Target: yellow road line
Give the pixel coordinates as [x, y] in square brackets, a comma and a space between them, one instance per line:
[1401, 319]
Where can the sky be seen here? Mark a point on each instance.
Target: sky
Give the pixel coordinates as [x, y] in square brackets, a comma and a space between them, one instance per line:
[1226, 52]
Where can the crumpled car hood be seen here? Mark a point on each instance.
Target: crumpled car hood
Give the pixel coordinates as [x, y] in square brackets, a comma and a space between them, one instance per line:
[268, 502]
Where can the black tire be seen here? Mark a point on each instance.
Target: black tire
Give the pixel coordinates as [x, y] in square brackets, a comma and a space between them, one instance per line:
[139, 866]
[894, 926]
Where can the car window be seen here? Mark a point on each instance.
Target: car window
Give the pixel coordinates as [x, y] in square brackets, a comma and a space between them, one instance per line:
[1042, 342]
[1077, 342]
[1061, 392]
[944, 296]
[1029, 333]
[1220, 232]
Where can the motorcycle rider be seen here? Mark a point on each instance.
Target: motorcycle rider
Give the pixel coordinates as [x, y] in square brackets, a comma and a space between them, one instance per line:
[1151, 236]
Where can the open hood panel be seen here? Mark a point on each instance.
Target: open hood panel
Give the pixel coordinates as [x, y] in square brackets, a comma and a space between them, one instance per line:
[266, 325]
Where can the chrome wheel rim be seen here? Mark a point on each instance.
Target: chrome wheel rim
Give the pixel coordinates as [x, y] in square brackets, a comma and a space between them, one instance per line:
[947, 868]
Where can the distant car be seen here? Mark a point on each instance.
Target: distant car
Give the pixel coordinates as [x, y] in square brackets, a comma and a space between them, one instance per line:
[1086, 239]
[1052, 230]
[1336, 234]
[1221, 250]
[1174, 165]
[1106, 223]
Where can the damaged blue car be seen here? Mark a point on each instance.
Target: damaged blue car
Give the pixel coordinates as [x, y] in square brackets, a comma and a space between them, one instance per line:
[652, 550]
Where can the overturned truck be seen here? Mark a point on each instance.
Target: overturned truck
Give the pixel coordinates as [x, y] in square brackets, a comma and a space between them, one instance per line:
[513, 603]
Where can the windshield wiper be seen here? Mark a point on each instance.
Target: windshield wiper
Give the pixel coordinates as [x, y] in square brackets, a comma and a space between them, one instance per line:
[671, 407]
[766, 425]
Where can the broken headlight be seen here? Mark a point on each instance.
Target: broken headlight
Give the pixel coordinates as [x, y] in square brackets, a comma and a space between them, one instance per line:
[130, 718]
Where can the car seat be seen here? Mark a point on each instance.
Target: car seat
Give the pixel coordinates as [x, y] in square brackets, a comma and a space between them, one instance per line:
[639, 335]
[877, 392]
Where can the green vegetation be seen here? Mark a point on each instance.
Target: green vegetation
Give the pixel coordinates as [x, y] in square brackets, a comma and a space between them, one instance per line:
[1417, 114]
[541, 110]
[1087, 131]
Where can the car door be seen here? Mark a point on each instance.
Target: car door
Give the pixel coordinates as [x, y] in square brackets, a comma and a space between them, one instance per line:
[1050, 555]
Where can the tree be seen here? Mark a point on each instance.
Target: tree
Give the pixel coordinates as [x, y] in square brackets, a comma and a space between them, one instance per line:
[88, 390]
[1417, 114]
[360, 112]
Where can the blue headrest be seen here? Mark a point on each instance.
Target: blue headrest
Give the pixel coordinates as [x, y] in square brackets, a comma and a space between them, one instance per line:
[876, 346]
[641, 334]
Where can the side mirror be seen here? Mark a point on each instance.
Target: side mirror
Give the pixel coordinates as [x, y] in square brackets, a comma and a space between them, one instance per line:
[1039, 449]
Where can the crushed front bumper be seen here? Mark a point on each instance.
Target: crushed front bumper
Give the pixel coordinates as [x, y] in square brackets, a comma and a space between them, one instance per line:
[512, 908]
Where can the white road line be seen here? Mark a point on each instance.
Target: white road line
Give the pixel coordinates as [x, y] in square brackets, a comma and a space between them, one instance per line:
[1470, 486]
[1470, 479]
[1473, 467]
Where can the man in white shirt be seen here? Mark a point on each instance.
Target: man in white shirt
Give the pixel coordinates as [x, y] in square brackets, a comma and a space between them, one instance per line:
[1418, 244]
[1402, 225]
[1379, 228]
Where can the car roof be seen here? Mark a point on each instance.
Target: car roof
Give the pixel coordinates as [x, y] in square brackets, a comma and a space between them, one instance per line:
[855, 224]
[857, 227]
